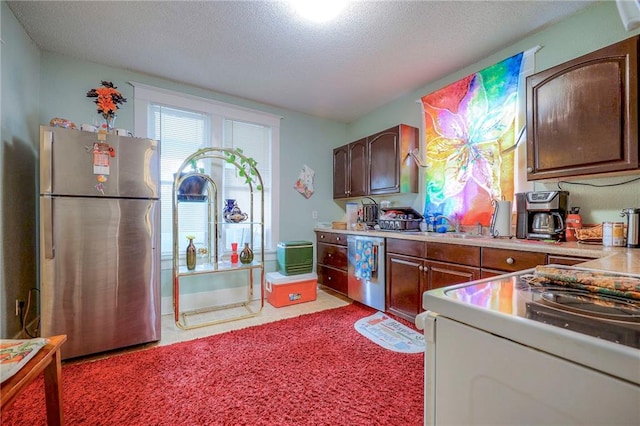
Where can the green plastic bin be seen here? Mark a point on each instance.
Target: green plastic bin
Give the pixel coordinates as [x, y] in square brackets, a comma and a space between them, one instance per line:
[295, 257]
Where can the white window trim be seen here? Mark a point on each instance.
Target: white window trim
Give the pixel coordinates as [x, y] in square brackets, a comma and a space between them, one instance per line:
[145, 94]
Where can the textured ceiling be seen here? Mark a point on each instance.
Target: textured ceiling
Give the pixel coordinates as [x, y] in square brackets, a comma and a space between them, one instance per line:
[375, 52]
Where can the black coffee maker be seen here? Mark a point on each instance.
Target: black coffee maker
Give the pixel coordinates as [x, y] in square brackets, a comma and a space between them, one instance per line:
[541, 215]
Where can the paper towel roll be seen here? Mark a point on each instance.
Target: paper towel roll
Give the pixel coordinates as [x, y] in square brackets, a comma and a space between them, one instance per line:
[502, 219]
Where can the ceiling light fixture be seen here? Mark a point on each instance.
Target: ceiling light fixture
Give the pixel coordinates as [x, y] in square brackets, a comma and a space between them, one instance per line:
[318, 10]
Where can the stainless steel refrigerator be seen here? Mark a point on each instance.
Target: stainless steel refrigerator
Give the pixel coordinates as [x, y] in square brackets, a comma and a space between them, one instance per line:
[99, 251]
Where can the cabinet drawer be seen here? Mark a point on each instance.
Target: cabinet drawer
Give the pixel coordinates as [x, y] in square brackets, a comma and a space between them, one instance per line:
[566, 260]
[464, 255]
[331, 238]
[332, 255]
[335, 279]
[406, 247]
[511, 260]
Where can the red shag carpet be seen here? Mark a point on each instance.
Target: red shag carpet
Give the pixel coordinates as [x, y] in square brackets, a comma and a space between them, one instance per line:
[315, 369]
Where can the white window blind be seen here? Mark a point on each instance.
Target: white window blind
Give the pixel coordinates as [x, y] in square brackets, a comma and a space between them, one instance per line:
[180, 133]
[255, 142]
[183, 124]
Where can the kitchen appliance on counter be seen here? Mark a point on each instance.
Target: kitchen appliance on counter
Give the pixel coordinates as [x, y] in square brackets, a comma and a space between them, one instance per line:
[99, 254]
[370, 212]
[400, 219]
[633, 227]
[542, 215]
[366, 271]
[489, 340]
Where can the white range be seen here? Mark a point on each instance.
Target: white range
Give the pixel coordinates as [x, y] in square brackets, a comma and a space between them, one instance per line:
[503, 351]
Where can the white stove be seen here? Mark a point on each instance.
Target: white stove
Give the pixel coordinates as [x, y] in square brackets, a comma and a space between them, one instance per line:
[505, 351]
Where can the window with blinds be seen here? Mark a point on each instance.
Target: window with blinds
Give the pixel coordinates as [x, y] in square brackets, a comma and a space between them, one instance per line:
[184, 125]
[180, 133]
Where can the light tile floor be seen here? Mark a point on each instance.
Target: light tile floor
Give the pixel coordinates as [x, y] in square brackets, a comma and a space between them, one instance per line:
[171, 333]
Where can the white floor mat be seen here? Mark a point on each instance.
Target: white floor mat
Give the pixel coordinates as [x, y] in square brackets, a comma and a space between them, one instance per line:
[390, 334]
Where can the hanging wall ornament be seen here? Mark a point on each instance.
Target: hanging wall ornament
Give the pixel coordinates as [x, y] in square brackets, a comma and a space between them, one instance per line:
[304, 184]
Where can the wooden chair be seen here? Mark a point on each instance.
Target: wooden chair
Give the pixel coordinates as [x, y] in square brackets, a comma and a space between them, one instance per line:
[47, 360]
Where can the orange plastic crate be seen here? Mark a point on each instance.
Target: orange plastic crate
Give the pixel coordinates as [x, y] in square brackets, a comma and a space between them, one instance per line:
[283, 290]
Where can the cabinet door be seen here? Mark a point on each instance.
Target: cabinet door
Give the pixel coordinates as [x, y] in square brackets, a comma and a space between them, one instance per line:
[341, 172]
[358, 168]
[383, 164]
[405, 278]
[582, 116]
[443, 274]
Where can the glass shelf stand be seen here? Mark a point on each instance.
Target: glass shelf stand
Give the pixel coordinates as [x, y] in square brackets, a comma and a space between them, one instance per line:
[212, 262]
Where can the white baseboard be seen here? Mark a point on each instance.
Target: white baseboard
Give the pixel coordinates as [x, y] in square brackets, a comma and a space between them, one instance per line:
[205, 299]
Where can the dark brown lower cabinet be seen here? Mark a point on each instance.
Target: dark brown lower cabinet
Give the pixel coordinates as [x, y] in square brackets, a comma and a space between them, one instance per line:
[406, 281]
[331, 262]
[410, 276]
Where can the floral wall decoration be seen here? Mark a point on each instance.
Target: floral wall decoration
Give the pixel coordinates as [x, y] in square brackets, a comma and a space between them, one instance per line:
[467, 126]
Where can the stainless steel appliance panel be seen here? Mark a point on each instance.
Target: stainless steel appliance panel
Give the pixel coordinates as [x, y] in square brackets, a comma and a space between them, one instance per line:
[371, 292]
[99, 272]
[67, 165]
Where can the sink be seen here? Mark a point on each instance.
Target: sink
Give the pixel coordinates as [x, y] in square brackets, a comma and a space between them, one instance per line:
[463, 235]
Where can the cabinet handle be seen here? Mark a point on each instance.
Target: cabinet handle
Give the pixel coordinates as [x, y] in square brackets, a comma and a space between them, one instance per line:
[421, 268]
[510, 261]
[328, 278]
[322, 237]
[329, 255]
[529, 169]
[337, 238]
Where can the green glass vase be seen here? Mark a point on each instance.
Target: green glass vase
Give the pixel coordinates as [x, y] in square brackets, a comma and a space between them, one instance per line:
[246, 255]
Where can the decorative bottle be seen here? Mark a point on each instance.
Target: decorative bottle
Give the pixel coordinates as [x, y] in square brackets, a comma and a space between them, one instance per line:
[191, 255]
[246, 255]
[234, 253]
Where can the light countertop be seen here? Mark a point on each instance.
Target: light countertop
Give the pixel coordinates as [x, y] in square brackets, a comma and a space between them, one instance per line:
[618, 259]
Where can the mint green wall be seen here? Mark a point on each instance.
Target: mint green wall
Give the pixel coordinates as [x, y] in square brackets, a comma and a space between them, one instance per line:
[37, 86]
[597, 26]
[303, 139]
[19, 85]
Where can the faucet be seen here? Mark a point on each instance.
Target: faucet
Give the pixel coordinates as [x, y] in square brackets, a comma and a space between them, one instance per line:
[455, 223]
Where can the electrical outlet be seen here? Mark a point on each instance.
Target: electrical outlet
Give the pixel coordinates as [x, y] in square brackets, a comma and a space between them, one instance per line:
[314, 214]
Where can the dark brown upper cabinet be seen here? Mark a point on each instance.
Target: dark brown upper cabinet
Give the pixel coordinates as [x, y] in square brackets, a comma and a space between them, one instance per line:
[376, 165]
[350, 170]
[582, 116]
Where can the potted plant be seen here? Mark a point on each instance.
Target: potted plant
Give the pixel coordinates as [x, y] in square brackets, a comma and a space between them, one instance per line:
[246, 166]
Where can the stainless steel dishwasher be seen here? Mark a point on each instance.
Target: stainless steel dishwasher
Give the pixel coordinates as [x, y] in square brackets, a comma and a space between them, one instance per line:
[366, 282]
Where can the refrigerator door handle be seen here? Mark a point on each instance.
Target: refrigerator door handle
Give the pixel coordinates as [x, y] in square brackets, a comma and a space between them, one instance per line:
[47, 221]
[46, 168]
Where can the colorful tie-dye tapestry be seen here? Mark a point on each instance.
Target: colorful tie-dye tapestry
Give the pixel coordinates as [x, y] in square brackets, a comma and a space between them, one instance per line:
[468, 125]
